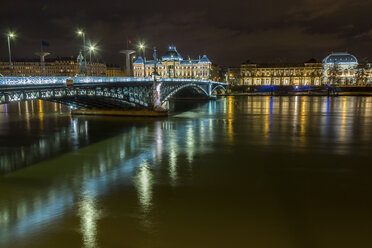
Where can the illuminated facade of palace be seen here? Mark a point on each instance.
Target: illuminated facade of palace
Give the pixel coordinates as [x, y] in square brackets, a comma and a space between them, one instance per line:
[335, 69]
[53, 67]
[172, 65]
[281, 74]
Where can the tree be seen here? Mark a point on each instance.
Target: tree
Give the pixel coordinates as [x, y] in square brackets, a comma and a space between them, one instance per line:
[333, 74]
[361, 72]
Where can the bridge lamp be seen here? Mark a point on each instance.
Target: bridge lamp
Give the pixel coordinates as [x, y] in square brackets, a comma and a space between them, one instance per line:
[81, 33]
[142, 47]
[10, 35]
[91, 49]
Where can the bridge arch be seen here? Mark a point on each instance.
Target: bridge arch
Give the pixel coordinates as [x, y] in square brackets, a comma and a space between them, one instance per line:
[99, 97]
[167, 93]
[218, 86]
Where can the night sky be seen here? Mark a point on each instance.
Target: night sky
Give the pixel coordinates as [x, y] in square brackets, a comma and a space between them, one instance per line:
[230, 32]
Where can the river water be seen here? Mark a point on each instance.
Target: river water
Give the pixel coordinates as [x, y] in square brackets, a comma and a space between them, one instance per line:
[236, 172]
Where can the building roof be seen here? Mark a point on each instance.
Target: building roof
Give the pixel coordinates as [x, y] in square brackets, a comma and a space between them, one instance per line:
[280, 65]
[172, 54]
[205, 59]
[340, 58]
[189, 62]
[139, 61]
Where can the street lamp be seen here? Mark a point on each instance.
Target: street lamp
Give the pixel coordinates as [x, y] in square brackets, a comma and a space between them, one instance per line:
[133, 58]
[11, 35]
[142, 47]
[91, 48]
[82, 34]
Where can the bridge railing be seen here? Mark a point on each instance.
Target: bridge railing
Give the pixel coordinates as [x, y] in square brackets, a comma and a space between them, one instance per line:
[13, 81]
[16, 81]
[190, 80]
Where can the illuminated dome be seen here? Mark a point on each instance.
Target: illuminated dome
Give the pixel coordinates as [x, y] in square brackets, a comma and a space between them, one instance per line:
[172, 54]
[340, 58]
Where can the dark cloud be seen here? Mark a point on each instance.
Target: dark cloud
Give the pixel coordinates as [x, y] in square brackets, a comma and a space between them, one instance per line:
[229, 31]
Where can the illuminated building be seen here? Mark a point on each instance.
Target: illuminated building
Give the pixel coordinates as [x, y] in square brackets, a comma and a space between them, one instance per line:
[172, 65]
[281, 74]
[335, 69]
[340, 69]
[114, 71]
[53, 67]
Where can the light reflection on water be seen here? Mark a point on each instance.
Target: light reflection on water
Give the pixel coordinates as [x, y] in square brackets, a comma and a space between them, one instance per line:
[143, 182]
[71, 172]
[89, 214]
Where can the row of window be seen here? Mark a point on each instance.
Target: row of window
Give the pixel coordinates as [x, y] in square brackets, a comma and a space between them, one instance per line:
[279, 82]
[258, 74]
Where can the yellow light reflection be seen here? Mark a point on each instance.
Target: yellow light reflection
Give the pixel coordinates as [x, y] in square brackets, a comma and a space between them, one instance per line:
[230, 119]
[27, 115]
[343, 127]
[295, 115]
[267, 120]
[303, 123]
[41, 114]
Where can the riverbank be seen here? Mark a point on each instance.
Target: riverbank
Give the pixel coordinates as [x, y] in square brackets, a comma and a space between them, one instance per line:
[134, 113]
[298, 94]
[272, 90]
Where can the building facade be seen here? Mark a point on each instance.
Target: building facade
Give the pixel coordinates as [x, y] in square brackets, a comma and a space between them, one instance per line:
[340, 69]
[335, 69]
[281, 74]
[114, 71]
[52, 67]
[172, 65]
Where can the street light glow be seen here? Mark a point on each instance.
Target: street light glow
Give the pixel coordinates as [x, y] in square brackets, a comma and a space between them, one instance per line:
[92, 48]
[80, 32]
[11, 35]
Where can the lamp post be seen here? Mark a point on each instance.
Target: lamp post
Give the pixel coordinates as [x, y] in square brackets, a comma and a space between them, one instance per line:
[82, 34]
[10, 36]
[143, 48]
[92, 48]
[132, 58]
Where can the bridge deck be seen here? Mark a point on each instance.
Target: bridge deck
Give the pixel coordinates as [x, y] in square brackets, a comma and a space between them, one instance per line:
[33, 81]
